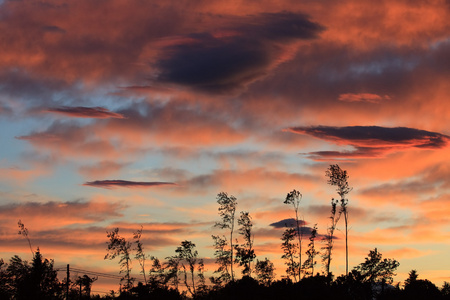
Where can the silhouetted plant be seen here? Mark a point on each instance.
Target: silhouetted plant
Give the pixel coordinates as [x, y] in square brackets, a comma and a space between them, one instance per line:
[265, 271]
[118, 246]
[311, 253]
[24, 232]
[188, 258]
[172, 266]
[157, 278]
[328, 238]
[227, 209]
[223, 256]
[290, 249]
[376, 269]
[338, 177]
[294, 198]
[85, 285]
[245, 253]
[140, 255]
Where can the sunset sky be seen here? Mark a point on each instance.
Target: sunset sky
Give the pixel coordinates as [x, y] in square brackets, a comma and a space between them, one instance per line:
[129, 113]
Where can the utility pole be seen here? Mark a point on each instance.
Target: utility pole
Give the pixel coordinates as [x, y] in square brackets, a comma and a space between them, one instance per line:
[67, 282]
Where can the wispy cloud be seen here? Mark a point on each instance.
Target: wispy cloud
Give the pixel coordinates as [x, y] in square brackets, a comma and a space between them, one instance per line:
[85, 112]
[371, 141]
[125, 183]
[363, 97]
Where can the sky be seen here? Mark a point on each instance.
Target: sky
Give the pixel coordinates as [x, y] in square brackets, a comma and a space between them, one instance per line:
[128, 113]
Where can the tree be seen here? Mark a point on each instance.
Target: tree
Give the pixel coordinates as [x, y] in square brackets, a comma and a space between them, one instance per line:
[156, 277]
[338, 177]
[118, 246]
[328, 238]
[245, 253]
[290, 252]
[411, 278]
[140, 256]
[227, 209]
[294, 198]
[85, 284]
[222, 254]
[311, 253]
[376, 269]
[187, 256]
[265, 271]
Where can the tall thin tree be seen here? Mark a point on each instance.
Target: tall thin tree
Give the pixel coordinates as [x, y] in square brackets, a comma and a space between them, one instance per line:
[227, 209]
[140, 255]
[326, 255]
[294, 198]
[119, 246]
[338, 177]
[245, 253]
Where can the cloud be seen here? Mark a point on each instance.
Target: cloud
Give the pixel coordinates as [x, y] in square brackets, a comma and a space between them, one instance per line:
[371, 141]
[287, 223]
[85, 112]
[363, 97]
[125, 183]
[218, 63]
[48, 214]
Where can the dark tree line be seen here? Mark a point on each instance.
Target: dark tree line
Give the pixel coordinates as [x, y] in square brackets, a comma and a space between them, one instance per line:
[182, 275]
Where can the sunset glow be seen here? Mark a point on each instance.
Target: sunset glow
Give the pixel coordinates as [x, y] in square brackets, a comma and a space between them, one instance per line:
[129, 113]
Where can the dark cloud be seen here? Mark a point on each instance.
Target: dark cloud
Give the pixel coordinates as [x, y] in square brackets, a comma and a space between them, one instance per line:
[85, 112]
[305, 230]
[287, 223]
[125, 183]
[371, 141]
[222, 63]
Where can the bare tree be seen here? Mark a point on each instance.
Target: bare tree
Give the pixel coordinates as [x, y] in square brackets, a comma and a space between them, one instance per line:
[338, 177]
[227, 209]
[294, 198]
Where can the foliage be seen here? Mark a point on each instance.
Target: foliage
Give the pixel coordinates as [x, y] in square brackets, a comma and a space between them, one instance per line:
[311, 253]
[245, 253]
[140, 256]
[290, 249]
[119, 246]
[227, 209]
[338, 177]
[294, 198]
[265, 271]
[376, 269]
[328, 238]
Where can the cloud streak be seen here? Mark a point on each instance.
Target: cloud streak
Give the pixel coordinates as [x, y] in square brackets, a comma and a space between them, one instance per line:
[371, 141]
[108, 184]
[85, 112]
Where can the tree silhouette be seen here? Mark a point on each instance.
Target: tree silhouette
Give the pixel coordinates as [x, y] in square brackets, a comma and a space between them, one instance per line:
[294, 198]
[245, 253]
[265, 271]
[140, 255]
[290, 248]
[338, 177]
[223, 255]
[188, 258]
[227, 209]
[119, 246]
[311, 253]
[328, 238]
[376, 269]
